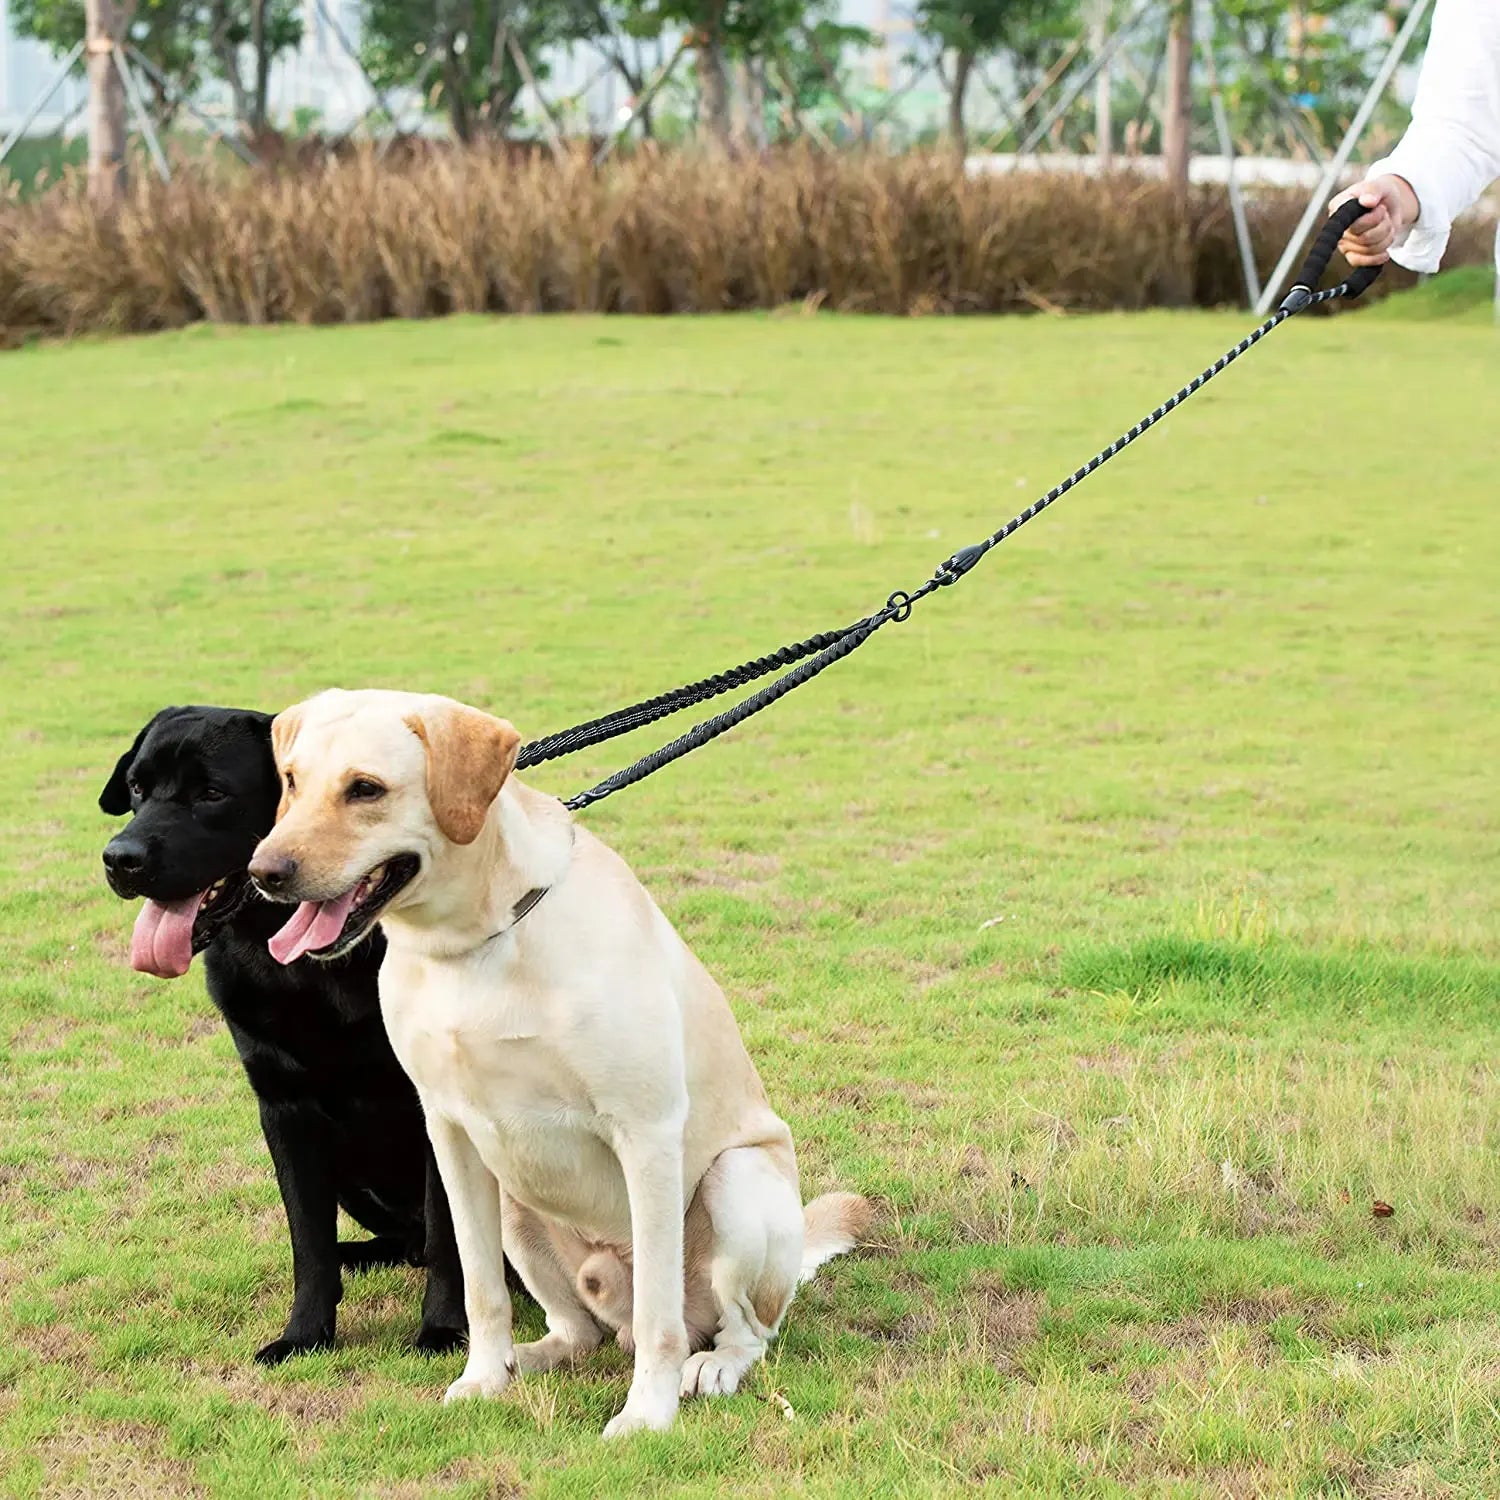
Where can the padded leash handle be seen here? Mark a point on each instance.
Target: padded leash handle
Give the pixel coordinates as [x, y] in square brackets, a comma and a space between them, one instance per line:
[1306, 284]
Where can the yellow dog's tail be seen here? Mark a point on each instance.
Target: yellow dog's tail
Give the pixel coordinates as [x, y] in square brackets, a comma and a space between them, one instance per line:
[832, 1224]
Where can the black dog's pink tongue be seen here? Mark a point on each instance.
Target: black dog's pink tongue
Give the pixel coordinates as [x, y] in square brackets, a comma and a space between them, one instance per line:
[162, 942]
[314, 925]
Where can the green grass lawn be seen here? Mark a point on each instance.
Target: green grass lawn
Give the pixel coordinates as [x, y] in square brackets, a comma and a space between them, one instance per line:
[1126, 921]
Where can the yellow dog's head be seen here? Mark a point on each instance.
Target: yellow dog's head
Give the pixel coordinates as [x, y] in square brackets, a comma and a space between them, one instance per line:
[375, 788]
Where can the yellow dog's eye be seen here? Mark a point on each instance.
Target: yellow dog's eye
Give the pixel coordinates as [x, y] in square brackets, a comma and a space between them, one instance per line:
[362, 789]
[291, 782]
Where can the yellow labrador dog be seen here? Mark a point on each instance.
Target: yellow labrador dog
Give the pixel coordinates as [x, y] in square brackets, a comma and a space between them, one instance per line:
[592, 1107]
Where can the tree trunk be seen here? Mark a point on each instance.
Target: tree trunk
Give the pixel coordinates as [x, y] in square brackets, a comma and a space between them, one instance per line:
[104, 24]
[637, 79]
[963, 68]
[759, 93]
[713, 90]
[458, 98]
[262, 68]
[1179, 116]
[750, 105]
[1177, 287]
[227, 55]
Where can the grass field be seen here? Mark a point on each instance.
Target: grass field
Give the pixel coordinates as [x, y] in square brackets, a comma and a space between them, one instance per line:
[1126, 921]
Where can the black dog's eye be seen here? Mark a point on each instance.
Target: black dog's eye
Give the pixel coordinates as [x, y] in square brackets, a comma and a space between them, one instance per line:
[210, 794]
[362, 789]
[135, 789]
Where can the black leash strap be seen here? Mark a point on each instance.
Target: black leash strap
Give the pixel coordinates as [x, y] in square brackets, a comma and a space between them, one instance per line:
[808, 658]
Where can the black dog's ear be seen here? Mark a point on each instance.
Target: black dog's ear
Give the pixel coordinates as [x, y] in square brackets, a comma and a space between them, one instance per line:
[115, 798]
[259, 722]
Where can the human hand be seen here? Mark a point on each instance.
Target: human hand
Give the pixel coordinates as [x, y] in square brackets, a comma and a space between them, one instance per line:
[1393, 209]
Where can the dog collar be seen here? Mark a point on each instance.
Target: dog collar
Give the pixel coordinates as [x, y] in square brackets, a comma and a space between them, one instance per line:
[529, 901]
[525, 904]
[519, 910]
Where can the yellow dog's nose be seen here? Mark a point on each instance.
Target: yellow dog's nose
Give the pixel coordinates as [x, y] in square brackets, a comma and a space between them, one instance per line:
[272, 872]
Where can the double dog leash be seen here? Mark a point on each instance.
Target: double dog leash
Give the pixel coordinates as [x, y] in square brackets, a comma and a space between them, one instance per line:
[809, 657]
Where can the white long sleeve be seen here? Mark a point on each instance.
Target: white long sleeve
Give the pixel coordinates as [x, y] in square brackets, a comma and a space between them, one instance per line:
[1451, 152]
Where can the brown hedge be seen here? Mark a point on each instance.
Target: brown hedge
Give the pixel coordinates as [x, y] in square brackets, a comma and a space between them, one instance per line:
[428, 232]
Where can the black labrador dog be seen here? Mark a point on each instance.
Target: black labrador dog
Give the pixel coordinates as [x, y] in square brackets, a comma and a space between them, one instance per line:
[341, 1118]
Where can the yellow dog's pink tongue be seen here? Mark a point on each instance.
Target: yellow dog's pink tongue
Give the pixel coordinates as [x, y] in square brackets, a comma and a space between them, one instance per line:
[162, 942]
[314, 925]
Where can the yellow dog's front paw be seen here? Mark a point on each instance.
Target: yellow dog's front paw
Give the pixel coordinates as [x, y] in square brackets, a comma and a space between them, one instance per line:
[485, 1384]
[641, 1415]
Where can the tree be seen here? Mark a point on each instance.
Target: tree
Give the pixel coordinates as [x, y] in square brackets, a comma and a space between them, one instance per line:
[810, 65]
[621, 30]
[105, 24]
[1318, 54]
[1177, 122]
[460, 52]
[972, 30]
[184, 40]
[264, 28]
[749, 36]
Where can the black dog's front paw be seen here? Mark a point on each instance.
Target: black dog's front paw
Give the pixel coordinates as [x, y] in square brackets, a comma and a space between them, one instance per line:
[434, 1338]
[278, 1351]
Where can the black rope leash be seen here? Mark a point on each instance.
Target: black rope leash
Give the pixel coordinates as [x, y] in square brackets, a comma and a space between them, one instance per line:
[809, 657]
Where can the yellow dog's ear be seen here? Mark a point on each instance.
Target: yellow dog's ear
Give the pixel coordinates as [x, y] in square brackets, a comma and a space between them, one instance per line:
[284, 729]
[469, 755]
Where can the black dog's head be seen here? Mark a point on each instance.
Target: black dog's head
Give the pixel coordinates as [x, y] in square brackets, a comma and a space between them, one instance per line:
[202, 785]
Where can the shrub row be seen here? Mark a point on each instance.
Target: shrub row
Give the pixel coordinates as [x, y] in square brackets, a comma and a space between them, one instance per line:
[430, 232]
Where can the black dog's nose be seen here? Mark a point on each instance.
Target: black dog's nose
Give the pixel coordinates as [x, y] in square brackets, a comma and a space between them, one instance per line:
[124, 859]
[273, 872]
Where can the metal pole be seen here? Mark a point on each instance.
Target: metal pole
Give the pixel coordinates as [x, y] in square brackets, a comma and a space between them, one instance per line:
[1317, 204]
[215, 130]
[142, 119]
[523, 67]
[417, 83]
[603, 153]
[1103, 105]
[1101, 59]
[1278, 100]
[1226, 145]
[889, 103]
[998, 97]
[352, 52]
[1497, 273]
[798, 119]
[1024, 108]
[854, 117]
[43, 100]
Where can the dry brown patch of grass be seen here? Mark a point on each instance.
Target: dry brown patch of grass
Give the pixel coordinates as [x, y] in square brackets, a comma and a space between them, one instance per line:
[108, 1460]
[505, 1485]
[1409, 1482]
[1116, 1063]
[209, 1023]
[1007, 1320]
[112, 944]
[302, 1403]
[44, 1034]
[739, 873]
[58, 1343]
[912, 1326]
